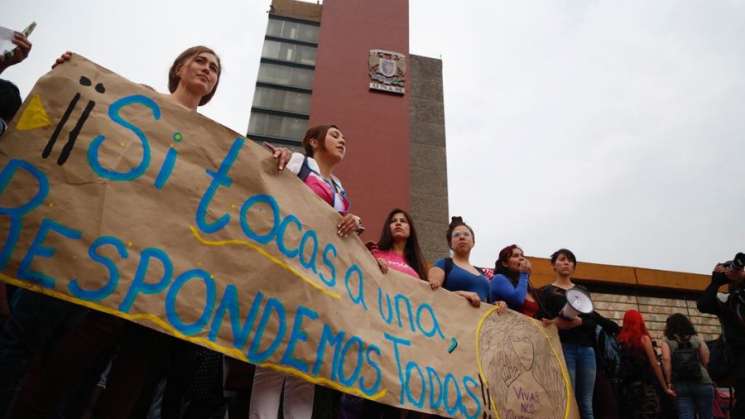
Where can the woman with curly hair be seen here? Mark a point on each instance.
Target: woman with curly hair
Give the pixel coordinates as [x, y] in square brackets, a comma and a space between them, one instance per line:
[511, 281]
[684, 360]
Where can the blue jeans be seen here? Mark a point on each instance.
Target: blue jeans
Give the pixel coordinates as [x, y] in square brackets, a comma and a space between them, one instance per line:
[581, 365]
[692, 398]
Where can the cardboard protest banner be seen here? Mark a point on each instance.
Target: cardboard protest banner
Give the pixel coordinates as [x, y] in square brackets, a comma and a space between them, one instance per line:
[114, 197]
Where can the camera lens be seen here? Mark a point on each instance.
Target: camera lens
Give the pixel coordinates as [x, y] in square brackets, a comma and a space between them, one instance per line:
[739, 261]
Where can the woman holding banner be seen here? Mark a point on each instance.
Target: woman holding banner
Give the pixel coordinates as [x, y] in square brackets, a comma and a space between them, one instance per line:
[397, 249]
[325, 147]
[456, 274]
[398, 246]
[144, 356]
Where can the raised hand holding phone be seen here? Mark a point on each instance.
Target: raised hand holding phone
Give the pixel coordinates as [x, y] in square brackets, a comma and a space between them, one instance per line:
[15, 45]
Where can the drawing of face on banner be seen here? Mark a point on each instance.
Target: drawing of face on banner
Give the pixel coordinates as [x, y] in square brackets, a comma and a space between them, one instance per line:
[523, 372]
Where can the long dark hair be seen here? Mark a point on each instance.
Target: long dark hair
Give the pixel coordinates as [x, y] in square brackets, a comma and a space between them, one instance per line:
[499, 265]
[412, 252]
[678, 326]
[513, 276]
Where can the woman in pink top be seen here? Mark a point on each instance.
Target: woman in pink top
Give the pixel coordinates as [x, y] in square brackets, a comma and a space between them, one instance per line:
[397, 249]
[398, 246]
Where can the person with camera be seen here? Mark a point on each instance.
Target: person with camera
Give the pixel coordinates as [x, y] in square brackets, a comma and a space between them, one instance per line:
[730, 309]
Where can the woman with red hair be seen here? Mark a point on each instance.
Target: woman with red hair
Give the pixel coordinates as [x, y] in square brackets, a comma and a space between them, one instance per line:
[639, 369]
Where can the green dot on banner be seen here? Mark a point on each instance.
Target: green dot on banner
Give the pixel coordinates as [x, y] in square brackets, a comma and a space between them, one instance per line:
[177, 137]
[453, 345]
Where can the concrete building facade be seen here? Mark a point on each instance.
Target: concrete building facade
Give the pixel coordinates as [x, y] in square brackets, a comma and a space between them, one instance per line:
[315, 70]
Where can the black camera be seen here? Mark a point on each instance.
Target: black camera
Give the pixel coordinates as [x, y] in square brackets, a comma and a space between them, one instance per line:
[738, 263]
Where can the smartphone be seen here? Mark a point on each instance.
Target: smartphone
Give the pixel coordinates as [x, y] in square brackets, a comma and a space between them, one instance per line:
[26, 32]
[30, 28]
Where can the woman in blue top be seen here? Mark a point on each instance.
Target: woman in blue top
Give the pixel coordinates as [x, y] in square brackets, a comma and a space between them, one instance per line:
[456, 274]
[511, 281]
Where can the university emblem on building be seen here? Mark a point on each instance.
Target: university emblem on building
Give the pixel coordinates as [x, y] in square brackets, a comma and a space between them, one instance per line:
[387, 71]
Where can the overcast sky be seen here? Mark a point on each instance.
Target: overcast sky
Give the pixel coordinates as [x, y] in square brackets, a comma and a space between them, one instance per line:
[612, 128]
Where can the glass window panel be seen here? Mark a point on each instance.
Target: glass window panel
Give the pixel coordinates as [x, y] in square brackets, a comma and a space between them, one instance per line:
[270, 50]
[308, 33]
[282, 100]
[292, 30]
[274, 28]
[277, 126]
[286, 76]
[284, 51]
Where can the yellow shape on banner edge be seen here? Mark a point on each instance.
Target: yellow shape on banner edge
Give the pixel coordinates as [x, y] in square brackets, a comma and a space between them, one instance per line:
[233, 352]
[34, 116]
[267, 255]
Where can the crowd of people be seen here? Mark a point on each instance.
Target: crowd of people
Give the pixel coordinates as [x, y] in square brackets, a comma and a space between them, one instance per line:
[59, 360]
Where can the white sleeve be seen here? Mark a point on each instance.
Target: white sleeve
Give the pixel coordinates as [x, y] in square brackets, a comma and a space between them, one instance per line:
[295, 163]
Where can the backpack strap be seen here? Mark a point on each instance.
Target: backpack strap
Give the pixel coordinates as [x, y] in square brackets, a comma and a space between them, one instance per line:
[448, 269]
[304, 170]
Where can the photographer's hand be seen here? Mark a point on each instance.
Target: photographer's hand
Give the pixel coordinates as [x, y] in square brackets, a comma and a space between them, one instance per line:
[719, 275]
[708, 302]
[735, 276]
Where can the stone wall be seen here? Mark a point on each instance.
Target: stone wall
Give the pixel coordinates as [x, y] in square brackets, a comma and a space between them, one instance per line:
[428, 168]
[655, 311]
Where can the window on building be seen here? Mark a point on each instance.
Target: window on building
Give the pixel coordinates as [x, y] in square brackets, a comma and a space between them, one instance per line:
[282, 100]
[294, 53]
[269, 125]
[285, 75]
[292, 30]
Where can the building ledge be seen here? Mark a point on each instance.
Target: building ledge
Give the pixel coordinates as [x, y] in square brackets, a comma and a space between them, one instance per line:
[622, 275]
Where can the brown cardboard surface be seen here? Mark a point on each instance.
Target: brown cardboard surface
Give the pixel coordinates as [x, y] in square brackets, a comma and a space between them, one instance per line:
[225, 252]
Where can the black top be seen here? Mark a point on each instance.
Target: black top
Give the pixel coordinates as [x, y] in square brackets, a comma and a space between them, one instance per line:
[635, 366]
[732, 327]
[553, 300]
